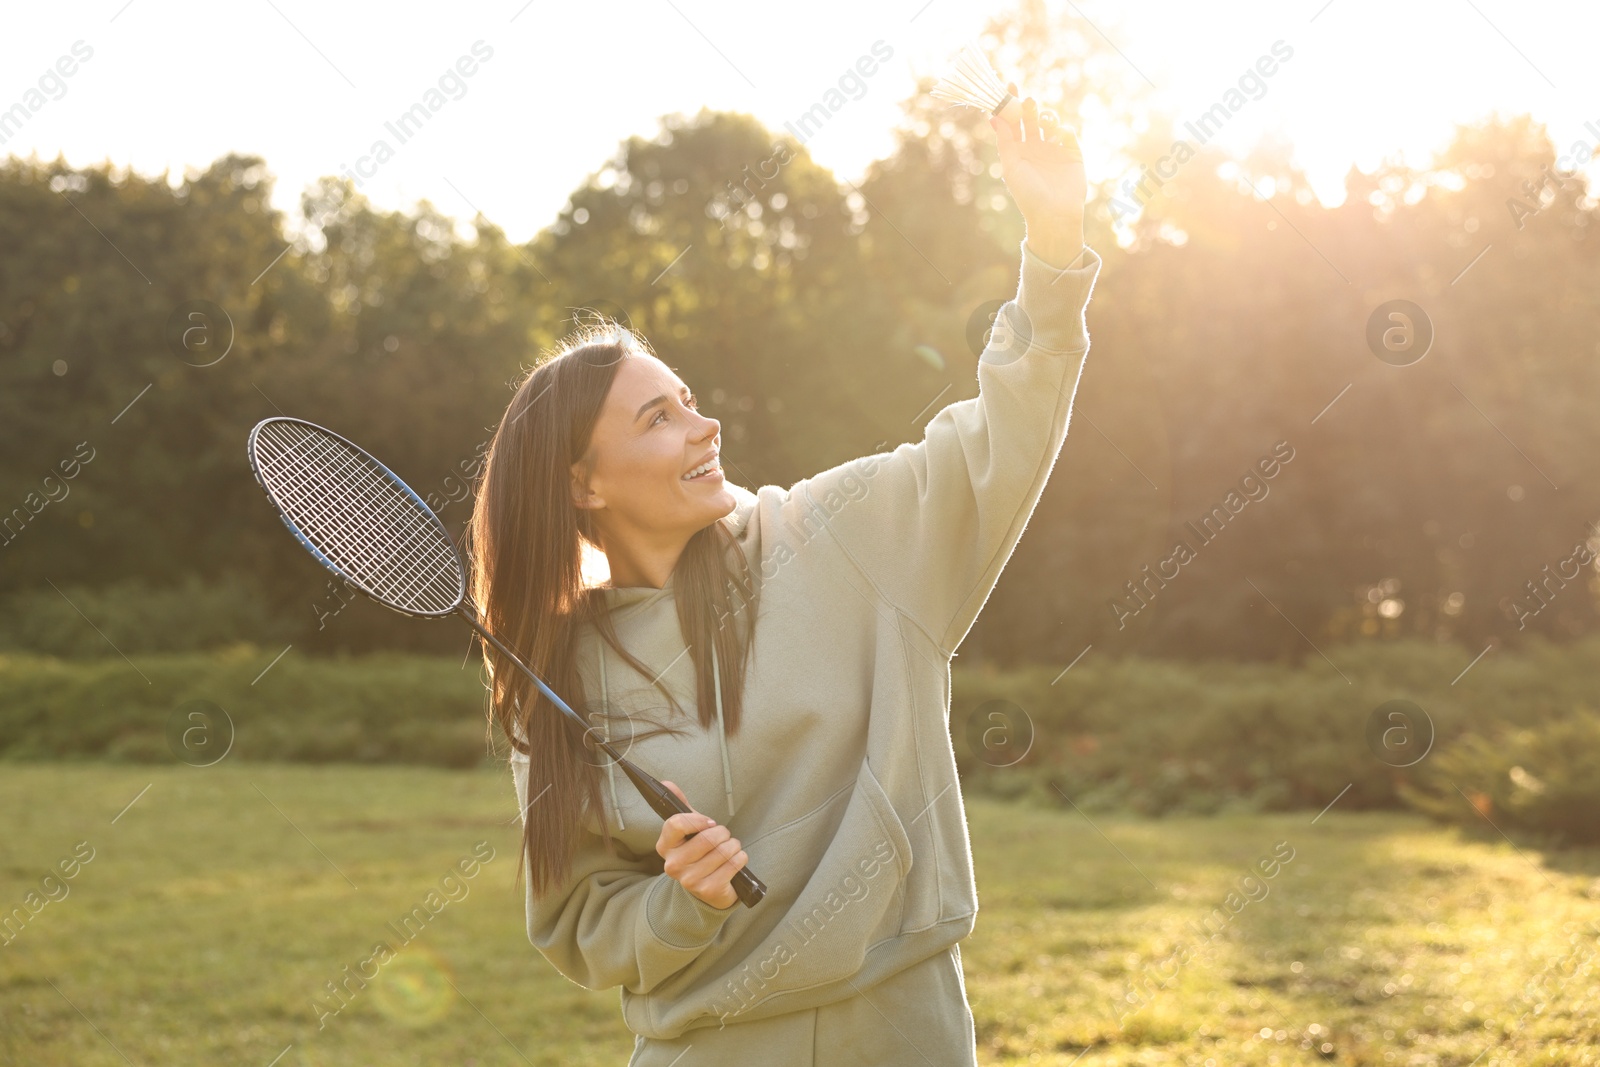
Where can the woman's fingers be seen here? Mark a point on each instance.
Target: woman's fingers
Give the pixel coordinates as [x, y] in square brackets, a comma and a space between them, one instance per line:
[695, 851]
[676, 829]
[706, 864]
[724, 850]
[712, 886]
[1030, 113]
[724, 874]
[683, 828]
[1036, 123]
[1004, 131]
[1057, 134]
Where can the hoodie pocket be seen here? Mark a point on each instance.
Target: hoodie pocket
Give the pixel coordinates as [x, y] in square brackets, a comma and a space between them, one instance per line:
[853, 899]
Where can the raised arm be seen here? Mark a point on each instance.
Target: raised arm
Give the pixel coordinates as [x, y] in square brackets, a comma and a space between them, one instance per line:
[931, 525]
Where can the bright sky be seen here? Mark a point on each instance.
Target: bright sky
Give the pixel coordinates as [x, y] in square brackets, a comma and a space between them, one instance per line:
[309, 86]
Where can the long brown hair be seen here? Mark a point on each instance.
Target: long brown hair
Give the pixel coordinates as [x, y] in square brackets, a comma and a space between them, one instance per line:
[524, 555]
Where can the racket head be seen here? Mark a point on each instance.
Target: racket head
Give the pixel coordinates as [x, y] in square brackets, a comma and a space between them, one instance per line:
[357, 517]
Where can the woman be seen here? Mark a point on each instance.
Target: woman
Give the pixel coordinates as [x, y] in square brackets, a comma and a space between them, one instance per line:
[810, 630]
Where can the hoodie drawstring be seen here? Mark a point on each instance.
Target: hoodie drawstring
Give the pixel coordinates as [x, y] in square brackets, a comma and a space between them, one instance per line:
[722, 738]
[611, 765]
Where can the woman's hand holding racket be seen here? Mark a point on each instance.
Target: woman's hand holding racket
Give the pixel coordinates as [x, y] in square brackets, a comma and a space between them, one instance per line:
[700, 854]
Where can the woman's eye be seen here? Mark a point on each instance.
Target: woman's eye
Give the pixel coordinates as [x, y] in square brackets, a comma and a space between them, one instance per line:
[692, 402]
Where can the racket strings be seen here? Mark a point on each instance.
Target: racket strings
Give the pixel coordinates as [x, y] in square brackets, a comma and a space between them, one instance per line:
[374, 531]
[399, 519]
[417, 568]
[360, 518]
[317, 502]
[323, 502]
[414, 555]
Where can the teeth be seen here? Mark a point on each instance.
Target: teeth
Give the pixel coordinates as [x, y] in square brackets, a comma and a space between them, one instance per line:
[702, 469]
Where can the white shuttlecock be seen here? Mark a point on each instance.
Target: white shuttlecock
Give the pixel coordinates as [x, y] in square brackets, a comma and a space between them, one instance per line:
[971, 81]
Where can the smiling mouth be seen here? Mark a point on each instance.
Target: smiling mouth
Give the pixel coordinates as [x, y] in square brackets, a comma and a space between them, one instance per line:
[708, 470]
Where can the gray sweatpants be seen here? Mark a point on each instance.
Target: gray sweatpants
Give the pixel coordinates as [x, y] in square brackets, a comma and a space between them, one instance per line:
[917, 1018]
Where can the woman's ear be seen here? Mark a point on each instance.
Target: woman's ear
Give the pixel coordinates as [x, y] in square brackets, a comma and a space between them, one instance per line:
[582, 495]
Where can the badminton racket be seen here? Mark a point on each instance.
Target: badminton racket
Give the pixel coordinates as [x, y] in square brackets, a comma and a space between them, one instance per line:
[358, 519]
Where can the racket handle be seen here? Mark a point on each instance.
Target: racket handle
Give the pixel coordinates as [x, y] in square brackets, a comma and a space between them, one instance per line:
[746, 885]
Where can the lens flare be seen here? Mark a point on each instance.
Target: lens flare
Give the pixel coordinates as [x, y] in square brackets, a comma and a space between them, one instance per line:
[414, 989]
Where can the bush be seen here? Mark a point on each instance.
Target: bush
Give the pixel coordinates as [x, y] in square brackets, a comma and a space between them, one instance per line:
[1167, 737]
[1149, 736]
[1543, 779]
[376, 709]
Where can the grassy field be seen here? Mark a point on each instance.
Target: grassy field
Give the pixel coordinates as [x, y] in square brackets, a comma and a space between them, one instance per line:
[218, 904]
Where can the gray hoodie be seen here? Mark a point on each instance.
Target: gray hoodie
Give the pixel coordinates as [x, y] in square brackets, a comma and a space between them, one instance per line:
[841, 782]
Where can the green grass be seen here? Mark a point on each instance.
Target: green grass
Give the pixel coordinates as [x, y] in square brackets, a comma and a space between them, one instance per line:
[206, 924]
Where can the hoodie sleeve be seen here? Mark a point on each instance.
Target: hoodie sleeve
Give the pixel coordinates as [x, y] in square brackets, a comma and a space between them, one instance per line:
[618, 920]
[931, 524]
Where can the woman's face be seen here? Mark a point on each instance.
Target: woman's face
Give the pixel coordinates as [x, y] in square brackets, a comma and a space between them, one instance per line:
[648, 438]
